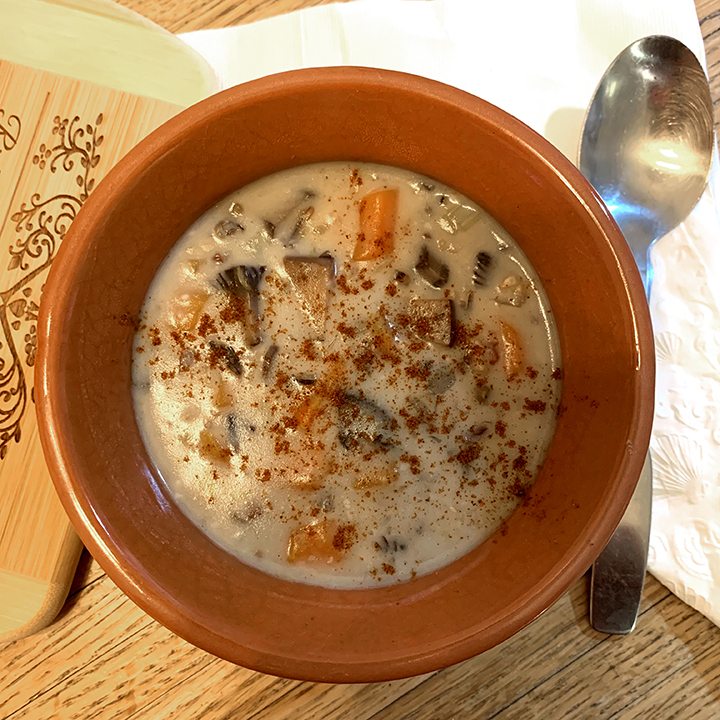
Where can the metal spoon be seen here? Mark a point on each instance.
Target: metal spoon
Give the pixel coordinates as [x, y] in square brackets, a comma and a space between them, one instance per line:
[647, 145]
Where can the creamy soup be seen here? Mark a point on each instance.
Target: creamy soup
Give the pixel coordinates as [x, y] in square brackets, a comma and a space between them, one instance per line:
[347, 374]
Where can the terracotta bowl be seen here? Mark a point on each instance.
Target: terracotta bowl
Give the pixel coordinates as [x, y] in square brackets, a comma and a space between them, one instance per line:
[118, 503]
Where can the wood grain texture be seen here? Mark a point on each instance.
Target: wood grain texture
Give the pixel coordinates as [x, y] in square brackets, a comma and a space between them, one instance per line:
[104, 658]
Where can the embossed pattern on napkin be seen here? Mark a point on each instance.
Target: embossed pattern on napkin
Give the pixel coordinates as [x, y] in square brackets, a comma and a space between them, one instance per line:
[685, 542]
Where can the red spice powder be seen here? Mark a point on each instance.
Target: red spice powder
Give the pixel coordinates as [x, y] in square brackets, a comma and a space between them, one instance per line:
[206, 326]
[235, 311]
[346, 330]
[154, 334]
[345, 537]
[343, 284]
[536, 406]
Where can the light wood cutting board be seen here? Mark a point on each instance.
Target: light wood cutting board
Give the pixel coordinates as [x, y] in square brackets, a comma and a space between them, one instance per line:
[58, 137]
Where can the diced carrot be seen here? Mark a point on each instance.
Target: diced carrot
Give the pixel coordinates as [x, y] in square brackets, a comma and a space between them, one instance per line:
[324, 541]
[185, 310]
[309, 409]
[210, 449]
[377, 225]
[513, 355]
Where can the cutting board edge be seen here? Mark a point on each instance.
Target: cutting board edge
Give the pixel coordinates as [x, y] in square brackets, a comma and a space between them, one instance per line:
[57, 589]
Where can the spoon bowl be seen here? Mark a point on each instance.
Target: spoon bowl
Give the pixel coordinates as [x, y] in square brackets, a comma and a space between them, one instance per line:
[647, 140]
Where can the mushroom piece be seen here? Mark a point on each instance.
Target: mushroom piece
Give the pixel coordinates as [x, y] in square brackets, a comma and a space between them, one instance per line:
[361, 421]
[223, 354]
[441, 380]
[241, 283]
[432, 320]
[268, 360]
[481, 273]
[311, 277]
[225, 228]
[431, 269]
[390, 544]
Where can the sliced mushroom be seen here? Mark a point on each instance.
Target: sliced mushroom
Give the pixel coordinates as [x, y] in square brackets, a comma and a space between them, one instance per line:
[236, 209]
[239, 430]
[474, 433]
[247, 513]
[242, 284]
[222, 354]
[481, 272]
[431, 269]
[268, 360]
[390, 544]
[441, 380]
[241, 280]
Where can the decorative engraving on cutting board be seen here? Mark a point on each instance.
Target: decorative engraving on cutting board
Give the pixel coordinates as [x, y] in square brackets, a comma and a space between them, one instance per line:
[9, 131]
[41, 226]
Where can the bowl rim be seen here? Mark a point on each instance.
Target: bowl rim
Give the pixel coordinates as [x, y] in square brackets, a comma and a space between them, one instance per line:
[58, 294]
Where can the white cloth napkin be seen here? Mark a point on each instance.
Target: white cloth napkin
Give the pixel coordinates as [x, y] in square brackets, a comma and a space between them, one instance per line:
[541, 62]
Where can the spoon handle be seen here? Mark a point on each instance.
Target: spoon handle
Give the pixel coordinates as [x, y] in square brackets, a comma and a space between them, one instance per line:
[619, 572]
[640, 235]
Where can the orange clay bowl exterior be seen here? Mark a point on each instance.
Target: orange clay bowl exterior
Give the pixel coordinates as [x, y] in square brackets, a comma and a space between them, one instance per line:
[116, 499]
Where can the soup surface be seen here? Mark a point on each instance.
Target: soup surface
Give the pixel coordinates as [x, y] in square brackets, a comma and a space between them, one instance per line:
[347, 374]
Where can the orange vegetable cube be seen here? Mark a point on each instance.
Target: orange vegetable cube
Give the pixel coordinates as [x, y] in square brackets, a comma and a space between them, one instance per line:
[378, 211]
[513, 355]
[308, 410]
[210, 448]
[324, 541]
[185, 310]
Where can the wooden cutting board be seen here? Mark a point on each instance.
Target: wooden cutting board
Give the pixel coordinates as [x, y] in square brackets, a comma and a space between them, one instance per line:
[58, 137]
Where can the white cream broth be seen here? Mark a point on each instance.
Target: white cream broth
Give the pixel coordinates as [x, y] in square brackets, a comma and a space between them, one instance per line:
[342, 421]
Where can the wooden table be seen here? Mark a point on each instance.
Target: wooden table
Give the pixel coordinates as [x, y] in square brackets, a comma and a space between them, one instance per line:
[105, 658]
